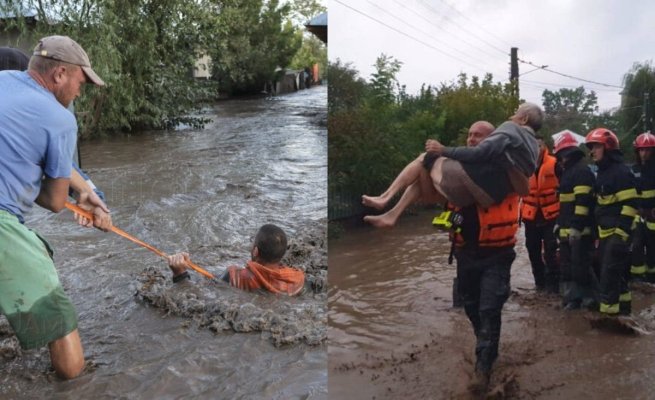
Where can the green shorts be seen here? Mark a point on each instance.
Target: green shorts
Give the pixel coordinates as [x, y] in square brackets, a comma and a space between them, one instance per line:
[31, 296]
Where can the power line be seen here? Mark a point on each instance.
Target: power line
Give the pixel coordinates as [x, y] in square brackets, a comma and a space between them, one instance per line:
[568, 76]
[565, 86]
[432, 23]
[475, 23]
[504, 52]
[408, 35]
[419, 30]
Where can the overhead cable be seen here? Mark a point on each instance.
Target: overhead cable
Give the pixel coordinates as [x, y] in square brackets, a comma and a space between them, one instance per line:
[567, 75]
[475, 23]
[419, 30]
[409, 36]
[436, 25]
[504, 52]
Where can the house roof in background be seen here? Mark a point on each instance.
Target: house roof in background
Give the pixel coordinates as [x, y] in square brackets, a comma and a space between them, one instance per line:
[319, 26]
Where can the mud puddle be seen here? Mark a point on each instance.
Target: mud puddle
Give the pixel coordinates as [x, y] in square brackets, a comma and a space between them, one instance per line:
[393, 333]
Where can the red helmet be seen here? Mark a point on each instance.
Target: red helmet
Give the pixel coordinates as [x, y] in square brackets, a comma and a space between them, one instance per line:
[645, 140]
[604, 136]
[564, 141]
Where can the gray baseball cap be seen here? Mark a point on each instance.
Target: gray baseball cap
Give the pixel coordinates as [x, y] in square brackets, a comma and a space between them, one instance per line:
[63, 48]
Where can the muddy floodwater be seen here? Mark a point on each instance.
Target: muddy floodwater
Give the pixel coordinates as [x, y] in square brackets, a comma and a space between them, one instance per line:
[260, 161]
[393, 333]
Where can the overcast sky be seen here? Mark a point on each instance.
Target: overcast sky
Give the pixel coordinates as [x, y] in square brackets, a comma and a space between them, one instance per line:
[596, 40]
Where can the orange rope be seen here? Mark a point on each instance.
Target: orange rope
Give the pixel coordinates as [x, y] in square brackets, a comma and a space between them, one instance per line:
[118, 231]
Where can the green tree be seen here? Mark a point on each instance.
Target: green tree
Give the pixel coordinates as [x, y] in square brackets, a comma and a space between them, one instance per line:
[304, 10]
[312, 51]
[638, 83]
[569, 109]
[383, 80]
[256, 38]
[465, 102]
[345, 87]
[145, 50]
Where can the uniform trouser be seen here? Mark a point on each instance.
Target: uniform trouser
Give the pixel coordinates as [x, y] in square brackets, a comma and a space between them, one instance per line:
[545, 268]
[650, 254]
[643, 253]
[614, 272]
[577, 275]
[638, 269]
[484, 286]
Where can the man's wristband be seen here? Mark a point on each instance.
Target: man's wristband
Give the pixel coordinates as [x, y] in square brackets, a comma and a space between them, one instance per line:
[184, 275]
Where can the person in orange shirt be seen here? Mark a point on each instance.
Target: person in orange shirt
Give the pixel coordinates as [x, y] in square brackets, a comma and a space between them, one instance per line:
[264, 271]
[539, 212]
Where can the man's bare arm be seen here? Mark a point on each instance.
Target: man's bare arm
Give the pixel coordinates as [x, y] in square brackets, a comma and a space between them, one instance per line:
[53, 194]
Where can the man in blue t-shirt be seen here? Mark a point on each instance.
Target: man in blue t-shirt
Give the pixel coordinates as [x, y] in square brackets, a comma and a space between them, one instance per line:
[37, 140]
[14, 59]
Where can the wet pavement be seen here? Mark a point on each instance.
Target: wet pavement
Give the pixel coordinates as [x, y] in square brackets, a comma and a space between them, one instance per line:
[394, 334]
[206, 192]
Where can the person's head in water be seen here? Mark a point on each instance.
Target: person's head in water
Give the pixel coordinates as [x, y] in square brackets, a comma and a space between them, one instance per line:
[13, 59]
[478, 132]
[270, 245]
[529, 114]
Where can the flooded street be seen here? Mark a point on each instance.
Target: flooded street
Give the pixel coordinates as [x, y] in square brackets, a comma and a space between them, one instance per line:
[207, 192]
[394, 334]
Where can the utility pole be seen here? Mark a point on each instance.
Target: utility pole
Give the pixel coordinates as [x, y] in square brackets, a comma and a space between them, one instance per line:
[514, 71]
[645, 115]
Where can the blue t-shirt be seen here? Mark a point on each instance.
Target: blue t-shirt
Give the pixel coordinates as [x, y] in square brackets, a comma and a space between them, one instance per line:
[37, 138]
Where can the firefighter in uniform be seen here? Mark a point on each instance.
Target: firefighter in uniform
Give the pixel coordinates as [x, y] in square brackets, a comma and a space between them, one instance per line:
[579, 284]
[643, 243]
[616, 208]
[539, 212]
[483, 242]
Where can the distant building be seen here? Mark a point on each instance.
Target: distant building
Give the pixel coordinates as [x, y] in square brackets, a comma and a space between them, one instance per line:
[10, 36]
[319, 26]
[202, 68]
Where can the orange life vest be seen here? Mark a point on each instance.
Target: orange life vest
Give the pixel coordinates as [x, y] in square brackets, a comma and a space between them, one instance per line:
[498, 224]
[543, 192]
[255, 276]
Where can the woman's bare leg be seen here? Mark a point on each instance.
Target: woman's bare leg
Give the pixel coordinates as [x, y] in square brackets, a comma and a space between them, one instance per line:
[407, 176]
[422, 191]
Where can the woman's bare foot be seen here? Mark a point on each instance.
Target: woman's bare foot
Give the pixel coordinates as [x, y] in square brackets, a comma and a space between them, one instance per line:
[380, 221]
[377, 202]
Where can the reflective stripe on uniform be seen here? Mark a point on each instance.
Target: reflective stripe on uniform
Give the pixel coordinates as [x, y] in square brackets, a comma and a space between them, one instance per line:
[582, 189]
[603, 233]
[628, 211]
[609, 308]
[618, 197]
[564, 232]
[581, 210]
[625, 297]
[566, 197]
[648, 194]
[638, 269]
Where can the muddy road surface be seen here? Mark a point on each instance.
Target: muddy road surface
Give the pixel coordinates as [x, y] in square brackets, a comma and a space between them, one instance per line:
[206, 192]
[394, 334]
